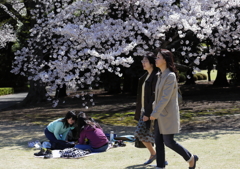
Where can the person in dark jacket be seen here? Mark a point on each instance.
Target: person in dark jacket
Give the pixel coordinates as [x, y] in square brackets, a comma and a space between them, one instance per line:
[91, 135]
[145, 97]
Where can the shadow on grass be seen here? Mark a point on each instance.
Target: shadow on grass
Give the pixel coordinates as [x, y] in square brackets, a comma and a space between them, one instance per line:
[105, 104]
[141, 166]
[15, 136]
[204, 134]
[208, 92]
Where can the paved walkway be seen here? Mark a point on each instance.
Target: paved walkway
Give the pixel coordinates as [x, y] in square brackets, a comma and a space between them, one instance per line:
[11, 99]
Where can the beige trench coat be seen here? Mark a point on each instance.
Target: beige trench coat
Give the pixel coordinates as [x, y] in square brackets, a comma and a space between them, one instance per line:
[165, 106]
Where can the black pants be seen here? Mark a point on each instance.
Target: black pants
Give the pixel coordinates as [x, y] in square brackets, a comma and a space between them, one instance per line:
[168, 140]
[55, 143]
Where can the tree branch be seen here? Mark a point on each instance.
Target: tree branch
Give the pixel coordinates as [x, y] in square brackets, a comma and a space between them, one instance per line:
[14, 12]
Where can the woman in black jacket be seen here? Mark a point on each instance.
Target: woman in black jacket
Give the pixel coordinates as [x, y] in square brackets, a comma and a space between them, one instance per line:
[145, 98]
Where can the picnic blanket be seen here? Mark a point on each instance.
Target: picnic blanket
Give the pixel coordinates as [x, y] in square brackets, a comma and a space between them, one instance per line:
[65, 153]
[75, 152]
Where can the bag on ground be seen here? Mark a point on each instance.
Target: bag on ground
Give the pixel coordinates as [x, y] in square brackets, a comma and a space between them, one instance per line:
[139, 144]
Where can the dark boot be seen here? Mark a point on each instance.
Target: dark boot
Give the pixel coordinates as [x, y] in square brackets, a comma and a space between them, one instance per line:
[48, 154]
[42, 152]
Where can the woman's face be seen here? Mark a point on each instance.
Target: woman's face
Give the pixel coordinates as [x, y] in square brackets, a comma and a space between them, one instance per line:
[146, 64]
[70, 121]
[160, 61]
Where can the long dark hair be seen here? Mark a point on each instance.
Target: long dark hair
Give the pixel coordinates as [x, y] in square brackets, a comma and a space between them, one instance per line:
[168, 56]
[151, 58]
[70, 114]
[83, 121]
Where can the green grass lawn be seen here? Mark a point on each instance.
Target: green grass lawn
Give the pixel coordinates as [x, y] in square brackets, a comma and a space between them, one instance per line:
[217, 149]
[213, 74]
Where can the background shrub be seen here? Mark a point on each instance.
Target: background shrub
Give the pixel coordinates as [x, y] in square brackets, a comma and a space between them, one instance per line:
[195, 77]
[199, 76]
[204, 76]
[182, 77]
[5, 91]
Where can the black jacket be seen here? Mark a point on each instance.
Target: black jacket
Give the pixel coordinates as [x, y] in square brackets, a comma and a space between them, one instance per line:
[149, 95]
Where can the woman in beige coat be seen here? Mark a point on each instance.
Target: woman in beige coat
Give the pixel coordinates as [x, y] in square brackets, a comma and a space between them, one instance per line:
[166, 111]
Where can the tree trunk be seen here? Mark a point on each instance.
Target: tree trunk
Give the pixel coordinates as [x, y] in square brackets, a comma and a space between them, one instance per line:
[134, 85]
[221, 79]
[111, 83]
[61, 92]
[126, 83]
[36, 94]
[235, 69]
[209, 75]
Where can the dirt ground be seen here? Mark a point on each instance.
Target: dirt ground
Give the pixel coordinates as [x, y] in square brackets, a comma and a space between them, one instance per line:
[202, 97]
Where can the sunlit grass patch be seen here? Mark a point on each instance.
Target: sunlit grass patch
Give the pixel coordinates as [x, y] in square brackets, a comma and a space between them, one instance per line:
[213, 74]
[121, 119]
[127, 118]
[187, 115]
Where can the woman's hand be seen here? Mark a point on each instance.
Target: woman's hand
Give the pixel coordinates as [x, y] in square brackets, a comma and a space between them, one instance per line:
[152, 118]
[145, 118]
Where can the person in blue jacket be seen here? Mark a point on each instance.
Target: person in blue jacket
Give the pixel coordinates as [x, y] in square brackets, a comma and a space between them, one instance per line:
[57, 131]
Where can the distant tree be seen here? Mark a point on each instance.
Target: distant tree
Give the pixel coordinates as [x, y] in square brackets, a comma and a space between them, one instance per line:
[225, 38]
[8, 37]
[235, 69]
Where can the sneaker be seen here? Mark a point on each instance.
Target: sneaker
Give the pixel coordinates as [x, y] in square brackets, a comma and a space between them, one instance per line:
[49, 151]
[42, 152]
[119, 143]
[48, 156]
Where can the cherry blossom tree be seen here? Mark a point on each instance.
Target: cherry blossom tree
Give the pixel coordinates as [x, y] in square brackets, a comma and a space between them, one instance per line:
[224, 39]
[72, 43]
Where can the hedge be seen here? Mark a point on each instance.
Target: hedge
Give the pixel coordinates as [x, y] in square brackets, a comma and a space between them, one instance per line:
[6, 90]
[200, 76]
[182, 78]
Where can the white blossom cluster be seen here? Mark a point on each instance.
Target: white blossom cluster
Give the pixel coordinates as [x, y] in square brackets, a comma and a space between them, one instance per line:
[7, 34]
[76, 42]
[226, 35]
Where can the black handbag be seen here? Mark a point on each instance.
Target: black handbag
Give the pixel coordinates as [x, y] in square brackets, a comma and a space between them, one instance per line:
[139, 144]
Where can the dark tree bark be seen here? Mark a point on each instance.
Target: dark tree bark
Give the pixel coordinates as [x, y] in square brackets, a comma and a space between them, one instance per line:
[61, 92]
[209, 75]
[111, 83]
[191, 80]
[126, 83]
[221, 79]
[235, 69]
[36, 94]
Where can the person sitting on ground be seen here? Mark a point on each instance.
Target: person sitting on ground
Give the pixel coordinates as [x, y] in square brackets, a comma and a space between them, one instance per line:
[91, 135]
[56, 132]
